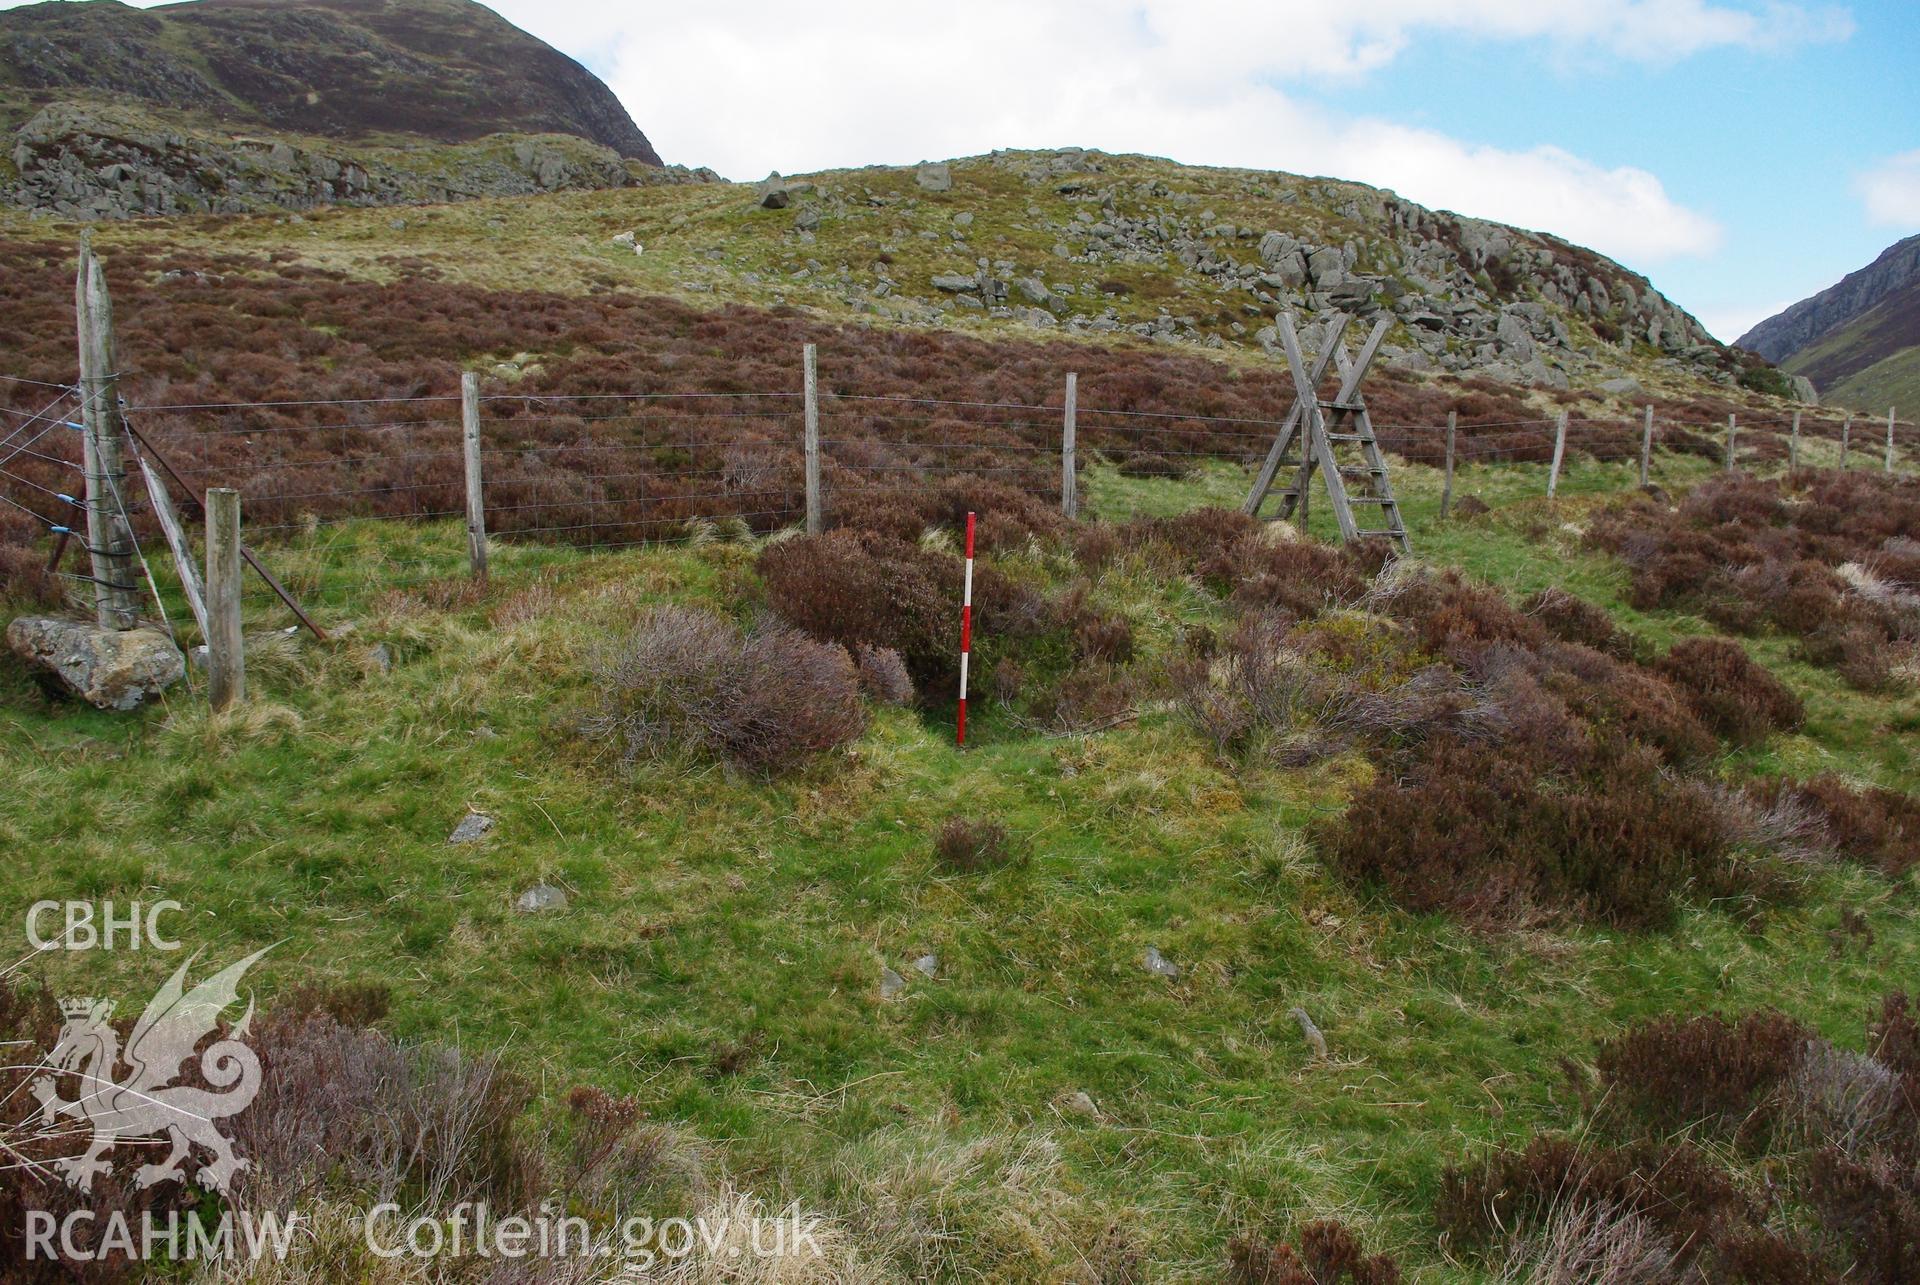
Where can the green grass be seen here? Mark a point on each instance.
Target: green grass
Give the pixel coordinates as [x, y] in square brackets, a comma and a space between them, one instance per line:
[713, 911]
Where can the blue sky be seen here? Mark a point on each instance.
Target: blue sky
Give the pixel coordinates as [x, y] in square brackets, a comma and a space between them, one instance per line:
[1741, 153]
[1770, 144]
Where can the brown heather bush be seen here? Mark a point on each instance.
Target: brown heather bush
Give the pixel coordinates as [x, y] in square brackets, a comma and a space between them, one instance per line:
[1088, 698]
[1472, 831]
[1672, 1073]
[1328, 1254]
[1677, 1188]
[1575, 620]
[1872, 826]
[883, 675]
[1837, 1131]
[344, 1112]
[1751, 554]
[1096, 635]
[1298, 576]
[857, 588]
[1451, 616]
[853, 587]
[1857, 650]
[766, 699]
[348, 1109]
[968, 845]
[1893, 1038]
[1739, 699]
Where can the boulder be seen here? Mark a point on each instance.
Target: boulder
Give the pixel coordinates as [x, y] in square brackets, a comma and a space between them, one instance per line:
[935, 178]
[108, 668]
[1155, 962]
[540, 899]
[473, 827]
[953, 283]
[1327, 266]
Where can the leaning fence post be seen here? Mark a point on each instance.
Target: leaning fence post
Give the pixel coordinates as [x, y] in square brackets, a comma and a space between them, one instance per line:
[1846, 439]
[811, 379]
[226, 652]
[1889, 439]
[1732, 429]
[1793, 445]
[1069, 484]
[1646, 446]
[109, 539]
[1559, 453]
[476, 495]
[1446, 487]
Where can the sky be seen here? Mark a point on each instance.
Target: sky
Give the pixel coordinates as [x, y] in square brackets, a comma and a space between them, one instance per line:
[1741, 153]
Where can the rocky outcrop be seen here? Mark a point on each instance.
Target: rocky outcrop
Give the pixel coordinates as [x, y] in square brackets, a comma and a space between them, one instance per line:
[112, 669]
[1470, 294]
[86, 162]
[1780, 336]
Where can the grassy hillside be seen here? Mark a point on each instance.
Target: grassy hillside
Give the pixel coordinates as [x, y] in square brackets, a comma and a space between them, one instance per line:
[723, 953]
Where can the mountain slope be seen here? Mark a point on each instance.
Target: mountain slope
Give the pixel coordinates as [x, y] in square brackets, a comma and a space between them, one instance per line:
[448, 70]
[229, 106]
[1858, 341]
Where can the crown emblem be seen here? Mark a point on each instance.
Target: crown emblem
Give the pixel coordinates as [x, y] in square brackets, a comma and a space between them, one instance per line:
[86, 1006]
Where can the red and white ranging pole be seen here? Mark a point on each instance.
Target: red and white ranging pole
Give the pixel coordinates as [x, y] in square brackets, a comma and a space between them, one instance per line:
[966, 634]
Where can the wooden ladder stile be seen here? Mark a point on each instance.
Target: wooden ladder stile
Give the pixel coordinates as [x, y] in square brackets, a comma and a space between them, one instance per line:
[1327, 426]
[1288, 440]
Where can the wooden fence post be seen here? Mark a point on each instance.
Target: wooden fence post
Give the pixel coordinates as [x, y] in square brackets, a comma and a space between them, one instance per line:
[1646, 447]
[1559, 453]
[116, 595]
[1069, 483]
[476, 494]
[1890, 439]
[1732, 429]
[1446, 487]
[811, 379]
[1793, 445]
[226, 651]
[1846, 439]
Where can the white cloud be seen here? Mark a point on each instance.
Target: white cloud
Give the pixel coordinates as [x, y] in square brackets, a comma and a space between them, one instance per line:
[1892, 191]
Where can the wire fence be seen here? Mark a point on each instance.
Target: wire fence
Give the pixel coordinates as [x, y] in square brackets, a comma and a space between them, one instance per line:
[609, 471]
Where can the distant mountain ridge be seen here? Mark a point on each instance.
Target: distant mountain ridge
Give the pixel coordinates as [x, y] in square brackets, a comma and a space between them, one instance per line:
[449, 70]
[229, 106]
[1859, 340]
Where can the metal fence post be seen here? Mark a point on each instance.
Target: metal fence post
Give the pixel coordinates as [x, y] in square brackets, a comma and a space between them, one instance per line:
[1446, 487]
